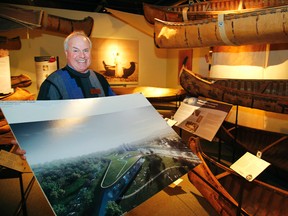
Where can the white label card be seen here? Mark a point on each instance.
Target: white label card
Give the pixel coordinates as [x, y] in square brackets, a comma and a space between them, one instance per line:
[249, 166]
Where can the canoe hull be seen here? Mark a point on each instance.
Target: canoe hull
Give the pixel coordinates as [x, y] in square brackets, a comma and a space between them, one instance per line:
[12, 18]
[204, 10]
[253, 98]
[10, 43]
[271, 145]
[230, 194]
[259, 27]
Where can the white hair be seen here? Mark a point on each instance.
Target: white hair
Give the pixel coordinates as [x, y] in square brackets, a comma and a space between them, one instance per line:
[76, 34]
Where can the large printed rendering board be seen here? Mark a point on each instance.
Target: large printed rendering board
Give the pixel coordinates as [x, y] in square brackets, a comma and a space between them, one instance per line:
[100, 156]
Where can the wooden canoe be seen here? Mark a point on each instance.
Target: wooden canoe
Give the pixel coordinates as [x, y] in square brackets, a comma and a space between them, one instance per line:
[19, 17]
[18, 94]
[165, 100]
[12, 17]
[261, 26]
[230, 194]
[21, 80]
[10, 43]
[66, 26]
[204, 10]
[270, 146]
[268, 95]
[153, 94]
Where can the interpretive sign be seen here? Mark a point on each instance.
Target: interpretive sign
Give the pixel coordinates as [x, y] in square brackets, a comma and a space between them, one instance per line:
[200, 117]
[100, 156]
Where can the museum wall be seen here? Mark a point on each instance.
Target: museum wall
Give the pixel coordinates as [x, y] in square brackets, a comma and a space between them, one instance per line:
[152, 62]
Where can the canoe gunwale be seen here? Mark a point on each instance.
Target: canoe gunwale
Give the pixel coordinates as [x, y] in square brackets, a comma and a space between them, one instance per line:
[10, 43]
[242, 211]
[263, 101]
[210, 180]
[267, 149]
[39, 19]
[227, 16]
[207, 178]
[225, 30]
[181, 13]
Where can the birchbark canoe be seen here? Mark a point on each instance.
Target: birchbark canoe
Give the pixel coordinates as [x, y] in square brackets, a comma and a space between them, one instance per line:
[231, 194]
[204, 10]
[10, 43]
[165, 100]
[4, 126]
[270, 146]
[153, 94]
[21, 80]
[268, 95]
[12, 17]
[18, 94]
[263, 26]
[66, 26]
[19, 17]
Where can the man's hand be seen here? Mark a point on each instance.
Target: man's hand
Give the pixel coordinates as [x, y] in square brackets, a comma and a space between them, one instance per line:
[18, 150]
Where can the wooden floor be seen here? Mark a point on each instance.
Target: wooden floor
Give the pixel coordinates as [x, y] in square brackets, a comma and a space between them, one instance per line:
[10, 197]
[180, 198]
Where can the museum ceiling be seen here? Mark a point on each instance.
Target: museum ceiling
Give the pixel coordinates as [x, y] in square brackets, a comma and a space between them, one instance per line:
[129, 6]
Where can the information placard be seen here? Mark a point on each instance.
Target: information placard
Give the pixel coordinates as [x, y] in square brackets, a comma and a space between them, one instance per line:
[249, 166]
[200, 117]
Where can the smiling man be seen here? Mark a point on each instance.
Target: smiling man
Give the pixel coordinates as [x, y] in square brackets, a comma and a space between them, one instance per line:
[75, 80]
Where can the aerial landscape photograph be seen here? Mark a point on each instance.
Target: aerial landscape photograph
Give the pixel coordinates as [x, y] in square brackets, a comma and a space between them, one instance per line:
[104, 164]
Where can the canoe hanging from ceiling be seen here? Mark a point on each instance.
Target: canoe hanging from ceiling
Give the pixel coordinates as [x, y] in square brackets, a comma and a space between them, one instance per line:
[204, 10]
[12, 17]
[10, 43]
[19, 17]
[265, 26]
[65, 25]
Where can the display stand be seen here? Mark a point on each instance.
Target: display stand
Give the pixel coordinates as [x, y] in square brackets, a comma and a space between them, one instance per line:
[236, 134]
[11, 167]
[234, 141]
[10, 174]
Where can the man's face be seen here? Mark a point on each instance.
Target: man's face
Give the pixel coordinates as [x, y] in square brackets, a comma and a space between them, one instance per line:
[78, 54]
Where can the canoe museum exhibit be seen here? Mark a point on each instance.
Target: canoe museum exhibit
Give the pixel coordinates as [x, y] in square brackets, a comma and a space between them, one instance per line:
[140, 108]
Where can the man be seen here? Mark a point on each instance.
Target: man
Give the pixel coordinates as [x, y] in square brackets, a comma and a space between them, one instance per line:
[75, 80]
